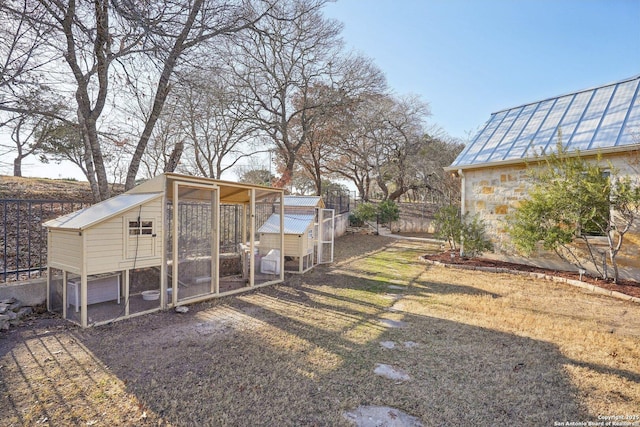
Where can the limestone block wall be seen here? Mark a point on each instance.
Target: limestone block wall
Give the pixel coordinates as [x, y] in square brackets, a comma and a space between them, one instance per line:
[492, 193]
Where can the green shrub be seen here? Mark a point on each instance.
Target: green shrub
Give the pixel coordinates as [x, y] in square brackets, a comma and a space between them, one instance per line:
[474, 237]
[388, 211]
[453, 228]
[448, 225]
[362, 213]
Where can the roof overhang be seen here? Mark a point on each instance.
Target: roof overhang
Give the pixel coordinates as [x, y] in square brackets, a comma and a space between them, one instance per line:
[587, 154]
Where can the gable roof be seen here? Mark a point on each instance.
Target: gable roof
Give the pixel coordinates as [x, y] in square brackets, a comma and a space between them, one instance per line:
[600, 118]
[85, 218]
[293, 224]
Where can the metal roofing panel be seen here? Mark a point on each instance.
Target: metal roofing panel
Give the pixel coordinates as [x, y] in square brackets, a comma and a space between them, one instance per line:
[596, 118]
[523, 141]
[503, 128]
[593, 116]
[85, 218]
[302, 201]
[517, 128]
[293, 224]
[620, 102]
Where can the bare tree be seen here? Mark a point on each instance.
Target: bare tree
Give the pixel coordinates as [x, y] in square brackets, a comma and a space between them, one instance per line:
[63, 142]
[353, 156]
[27, 134]
[95, 38]
[355, 79]
[213, 122]
[279, 65]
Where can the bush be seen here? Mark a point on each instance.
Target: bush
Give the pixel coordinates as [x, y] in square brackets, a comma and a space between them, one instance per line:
[362, 213]
[448, 225]
[475, 240]
[388, 211]
[453, 227]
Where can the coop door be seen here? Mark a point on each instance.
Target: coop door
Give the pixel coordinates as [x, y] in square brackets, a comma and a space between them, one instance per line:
[140, 235]
[326, 221]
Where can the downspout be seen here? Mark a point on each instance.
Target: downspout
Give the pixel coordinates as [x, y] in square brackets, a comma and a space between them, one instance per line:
[462, 206]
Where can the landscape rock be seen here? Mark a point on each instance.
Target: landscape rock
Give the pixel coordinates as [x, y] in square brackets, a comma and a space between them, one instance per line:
[12, 313]
[24, 312]
[390, 372]
[388, 344]
[381, 416]
[393, 323]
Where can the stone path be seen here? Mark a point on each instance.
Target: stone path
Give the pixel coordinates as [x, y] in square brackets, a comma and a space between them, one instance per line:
[381, 416]
[384, 416]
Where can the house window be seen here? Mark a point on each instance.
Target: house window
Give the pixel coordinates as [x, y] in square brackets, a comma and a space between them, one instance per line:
[140, 228]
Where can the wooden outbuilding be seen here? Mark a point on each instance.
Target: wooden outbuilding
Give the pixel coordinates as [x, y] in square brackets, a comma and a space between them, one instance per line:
[308, 234]
[170, 241]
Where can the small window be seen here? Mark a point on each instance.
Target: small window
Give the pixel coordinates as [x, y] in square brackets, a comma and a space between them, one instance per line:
[137, 228]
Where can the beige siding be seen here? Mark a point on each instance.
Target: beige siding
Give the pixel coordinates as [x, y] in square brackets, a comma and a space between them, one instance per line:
[270, 241]
[111, 248]
[65, 250]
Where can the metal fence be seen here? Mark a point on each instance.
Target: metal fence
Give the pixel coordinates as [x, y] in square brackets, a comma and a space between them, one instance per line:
[338, 200]
[23, 239]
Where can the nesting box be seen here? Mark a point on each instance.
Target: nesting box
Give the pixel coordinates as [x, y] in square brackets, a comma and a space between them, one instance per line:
[308, 233]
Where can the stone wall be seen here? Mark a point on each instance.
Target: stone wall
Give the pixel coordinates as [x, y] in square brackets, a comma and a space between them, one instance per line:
[415, 218]
[492, 193]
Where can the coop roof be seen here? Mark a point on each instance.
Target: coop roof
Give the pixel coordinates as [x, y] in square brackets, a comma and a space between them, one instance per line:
[303, 201]
[293, 224]
[102, 211]
[598, 119]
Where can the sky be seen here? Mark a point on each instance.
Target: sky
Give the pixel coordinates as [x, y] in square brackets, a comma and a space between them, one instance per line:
[470, 58]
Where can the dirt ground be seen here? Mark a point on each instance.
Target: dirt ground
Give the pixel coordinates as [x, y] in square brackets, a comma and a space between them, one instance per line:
[475, 347]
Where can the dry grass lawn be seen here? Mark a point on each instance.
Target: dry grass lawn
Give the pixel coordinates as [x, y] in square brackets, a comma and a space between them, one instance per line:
[492, 348]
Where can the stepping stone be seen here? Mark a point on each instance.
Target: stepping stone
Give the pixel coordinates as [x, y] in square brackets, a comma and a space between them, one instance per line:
[393, 323]
[381, 416]
[392, 296]
[397, 287]
[388, 344]
[410, 344]
[390, 372]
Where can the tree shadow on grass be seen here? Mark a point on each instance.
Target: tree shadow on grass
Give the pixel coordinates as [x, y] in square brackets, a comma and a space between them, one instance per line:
[288, 356]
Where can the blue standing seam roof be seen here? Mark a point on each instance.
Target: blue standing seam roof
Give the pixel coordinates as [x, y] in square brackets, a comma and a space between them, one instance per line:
[602, 117]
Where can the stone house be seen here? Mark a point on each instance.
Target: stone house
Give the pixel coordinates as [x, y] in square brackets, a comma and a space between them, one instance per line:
[602, 121]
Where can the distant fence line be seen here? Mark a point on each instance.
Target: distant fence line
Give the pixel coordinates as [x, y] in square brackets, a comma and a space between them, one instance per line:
[23, 239]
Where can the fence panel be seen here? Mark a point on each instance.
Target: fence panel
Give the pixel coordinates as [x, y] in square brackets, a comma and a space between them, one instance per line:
[23, 239]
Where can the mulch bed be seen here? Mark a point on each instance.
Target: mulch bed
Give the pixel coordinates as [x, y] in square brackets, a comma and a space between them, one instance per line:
[627, 287]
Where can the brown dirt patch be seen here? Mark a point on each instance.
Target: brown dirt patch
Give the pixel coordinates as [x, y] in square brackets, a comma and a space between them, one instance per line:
[627, 287]
[486, 347]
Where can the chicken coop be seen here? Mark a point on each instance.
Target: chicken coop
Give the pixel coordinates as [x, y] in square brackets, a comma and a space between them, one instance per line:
[170, 241]
[308, 235]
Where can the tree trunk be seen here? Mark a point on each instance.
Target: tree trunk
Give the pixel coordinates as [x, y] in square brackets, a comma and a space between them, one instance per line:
[161, 95]
[174, 159]
[17, 166]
